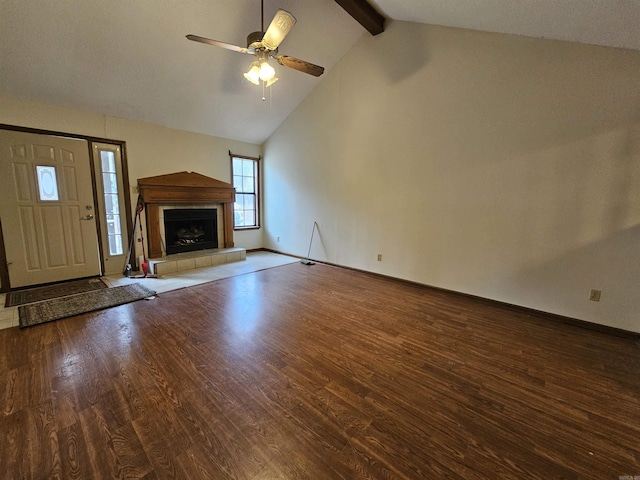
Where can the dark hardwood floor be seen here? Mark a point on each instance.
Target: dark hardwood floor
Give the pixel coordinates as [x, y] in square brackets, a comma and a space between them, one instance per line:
[317, 372]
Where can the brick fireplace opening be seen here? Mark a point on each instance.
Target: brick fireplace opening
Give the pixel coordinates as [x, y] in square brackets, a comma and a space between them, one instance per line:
[184, 188]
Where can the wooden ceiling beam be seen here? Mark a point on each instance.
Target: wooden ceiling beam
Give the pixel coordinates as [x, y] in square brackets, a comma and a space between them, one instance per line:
[365, 14]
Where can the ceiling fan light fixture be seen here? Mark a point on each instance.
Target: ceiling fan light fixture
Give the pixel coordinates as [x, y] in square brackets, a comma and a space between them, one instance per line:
[267, 72]
[253, 75]
[264, 44]
[271, 81]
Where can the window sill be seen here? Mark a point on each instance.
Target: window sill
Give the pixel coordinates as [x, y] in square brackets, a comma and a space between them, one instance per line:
[238, 229]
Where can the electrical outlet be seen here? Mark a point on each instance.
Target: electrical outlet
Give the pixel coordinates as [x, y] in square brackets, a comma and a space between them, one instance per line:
[379, 257]
[594, 295]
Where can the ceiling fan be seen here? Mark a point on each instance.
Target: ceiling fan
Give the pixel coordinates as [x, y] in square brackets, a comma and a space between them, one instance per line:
[264, 44]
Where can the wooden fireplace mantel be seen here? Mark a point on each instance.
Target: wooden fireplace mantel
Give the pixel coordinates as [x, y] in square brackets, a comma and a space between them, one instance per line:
[183, 187]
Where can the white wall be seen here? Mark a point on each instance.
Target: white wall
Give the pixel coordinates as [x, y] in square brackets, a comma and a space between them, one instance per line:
[151, 149]
[495, 165]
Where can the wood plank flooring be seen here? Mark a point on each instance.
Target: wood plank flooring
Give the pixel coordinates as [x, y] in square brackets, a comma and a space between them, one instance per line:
[316, 372]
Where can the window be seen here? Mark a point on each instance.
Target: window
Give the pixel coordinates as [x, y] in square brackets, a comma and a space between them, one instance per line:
[47, 183]
[112, 195]
[111, 201]
[245, 180]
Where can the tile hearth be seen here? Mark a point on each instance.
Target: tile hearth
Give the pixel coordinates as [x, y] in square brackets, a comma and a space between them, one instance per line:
[180, 262]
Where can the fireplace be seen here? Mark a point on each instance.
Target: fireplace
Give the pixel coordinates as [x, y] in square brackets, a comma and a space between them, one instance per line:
[188, 230]
[184, 188]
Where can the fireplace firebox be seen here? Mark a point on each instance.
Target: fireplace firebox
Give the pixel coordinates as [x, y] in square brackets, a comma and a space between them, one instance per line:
[187, 230]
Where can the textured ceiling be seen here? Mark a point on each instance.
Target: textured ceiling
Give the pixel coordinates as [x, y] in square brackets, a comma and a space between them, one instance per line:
[613, 23]
[130, 59]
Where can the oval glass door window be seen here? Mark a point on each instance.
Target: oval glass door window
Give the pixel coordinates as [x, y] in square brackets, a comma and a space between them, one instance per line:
[47, 183]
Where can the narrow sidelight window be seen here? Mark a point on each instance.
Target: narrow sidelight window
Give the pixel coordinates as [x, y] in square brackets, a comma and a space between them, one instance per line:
[111, 201]
[112, 189]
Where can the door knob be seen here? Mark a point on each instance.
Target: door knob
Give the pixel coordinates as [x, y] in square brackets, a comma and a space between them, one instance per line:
[87, 217]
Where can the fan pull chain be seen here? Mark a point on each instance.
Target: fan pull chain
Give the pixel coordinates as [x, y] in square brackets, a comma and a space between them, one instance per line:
[264, 97]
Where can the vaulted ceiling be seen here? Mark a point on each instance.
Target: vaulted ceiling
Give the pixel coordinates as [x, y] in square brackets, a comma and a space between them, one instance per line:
[130, 59]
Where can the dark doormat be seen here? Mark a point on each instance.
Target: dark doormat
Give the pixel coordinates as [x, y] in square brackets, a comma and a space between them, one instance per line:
[57, 308]
[39, 294]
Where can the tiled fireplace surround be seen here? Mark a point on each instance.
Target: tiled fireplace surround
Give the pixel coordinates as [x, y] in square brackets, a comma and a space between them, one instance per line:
[187, 190]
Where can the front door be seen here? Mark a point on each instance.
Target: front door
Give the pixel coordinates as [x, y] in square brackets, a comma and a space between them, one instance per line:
[47, 208]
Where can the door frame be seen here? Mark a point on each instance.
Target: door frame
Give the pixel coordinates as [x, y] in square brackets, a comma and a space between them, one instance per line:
[4, 270]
